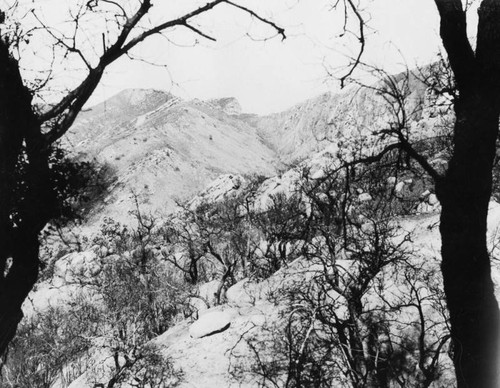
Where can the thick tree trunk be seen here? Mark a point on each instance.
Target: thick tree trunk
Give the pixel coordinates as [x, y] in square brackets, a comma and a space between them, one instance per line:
[19, 236]
[464, 194]
[11, 122]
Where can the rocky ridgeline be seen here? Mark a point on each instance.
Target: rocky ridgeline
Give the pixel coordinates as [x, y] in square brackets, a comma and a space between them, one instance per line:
[166, 149]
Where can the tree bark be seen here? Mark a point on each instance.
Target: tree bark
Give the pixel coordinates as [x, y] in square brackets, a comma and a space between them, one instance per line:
[19, 236]
[464, 194]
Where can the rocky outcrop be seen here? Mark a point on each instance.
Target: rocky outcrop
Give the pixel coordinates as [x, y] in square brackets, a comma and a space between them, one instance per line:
[165, 149]
[228, 105]
[209, 324]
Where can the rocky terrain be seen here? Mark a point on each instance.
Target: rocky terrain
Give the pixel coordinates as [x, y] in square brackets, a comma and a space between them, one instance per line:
[248, 263]
[164, 149]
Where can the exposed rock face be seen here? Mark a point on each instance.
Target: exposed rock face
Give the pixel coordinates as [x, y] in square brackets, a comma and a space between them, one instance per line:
[166, 149]
[342, 118]
[75, 267]
[228, 105]
[223, 187]
[210, 323]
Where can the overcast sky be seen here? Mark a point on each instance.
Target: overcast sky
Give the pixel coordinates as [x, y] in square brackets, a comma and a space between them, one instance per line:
[270, 75]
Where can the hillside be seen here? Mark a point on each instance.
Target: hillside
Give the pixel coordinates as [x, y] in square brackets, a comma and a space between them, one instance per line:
[348, 116]
[277, 269]
[163, 149]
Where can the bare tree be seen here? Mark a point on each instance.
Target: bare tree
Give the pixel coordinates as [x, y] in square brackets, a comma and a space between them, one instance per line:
[23, 124]
[465, 188]
[363, 312]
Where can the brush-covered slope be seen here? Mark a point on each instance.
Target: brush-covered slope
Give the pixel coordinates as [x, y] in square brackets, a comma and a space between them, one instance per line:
[338, 118]
[163, 148]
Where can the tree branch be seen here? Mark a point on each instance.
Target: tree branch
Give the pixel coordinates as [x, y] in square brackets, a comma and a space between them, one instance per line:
[361, 39]
[453, 33]
[488, 50]
[280, 30]
[64, 113]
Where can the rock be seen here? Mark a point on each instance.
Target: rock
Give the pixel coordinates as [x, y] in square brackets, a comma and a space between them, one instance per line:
[207, 291]
[240, 293]
[76, 266]
[103, 251]
[424, 207]
[399, 187]
[210, 323]
[364, 197]
[425, 194]
[258, 320]
[228, 105]
[391, 180]
[196, 306]
[432, 199]
[319, 174]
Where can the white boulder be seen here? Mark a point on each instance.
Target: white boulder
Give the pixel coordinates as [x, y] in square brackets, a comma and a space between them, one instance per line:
[425, 194]
[75, 267]
[208, 291]
[432, 199]
[241, 293]
[210, 323]
[364, 197]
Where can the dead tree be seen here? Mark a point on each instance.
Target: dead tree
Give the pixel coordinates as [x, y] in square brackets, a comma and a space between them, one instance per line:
[23, 124]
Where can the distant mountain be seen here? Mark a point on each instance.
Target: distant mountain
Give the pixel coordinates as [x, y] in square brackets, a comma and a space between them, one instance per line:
[163, 148]
[352, 114]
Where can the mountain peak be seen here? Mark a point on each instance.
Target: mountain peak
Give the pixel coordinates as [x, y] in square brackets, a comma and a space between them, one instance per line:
[135, 99]
[229, 105]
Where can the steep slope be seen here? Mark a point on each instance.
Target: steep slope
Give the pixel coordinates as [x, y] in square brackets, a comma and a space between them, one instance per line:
[163, 148]
[252, 309]
[348, 116]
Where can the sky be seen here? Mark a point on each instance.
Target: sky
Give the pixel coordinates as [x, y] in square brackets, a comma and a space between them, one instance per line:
[263, 72]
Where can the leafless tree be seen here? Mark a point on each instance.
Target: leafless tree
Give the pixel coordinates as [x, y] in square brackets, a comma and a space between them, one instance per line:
[465, 187]
[121, 28]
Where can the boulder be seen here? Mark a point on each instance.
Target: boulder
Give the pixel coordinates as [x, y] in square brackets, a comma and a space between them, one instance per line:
[432, 199]
[364, 197]
[424, 207]
[425, 194]
[197, 305]
[318, 174]
[391, 180]
[207, 292]
[241, 293]
[210, 323]
[75, 267]
[399, 187]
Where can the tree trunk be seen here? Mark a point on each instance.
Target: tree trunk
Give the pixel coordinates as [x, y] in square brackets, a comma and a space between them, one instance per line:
[464, 194]
[19, 235]
[11, 122]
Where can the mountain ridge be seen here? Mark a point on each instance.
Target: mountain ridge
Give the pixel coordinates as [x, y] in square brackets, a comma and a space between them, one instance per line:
[167, 149]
